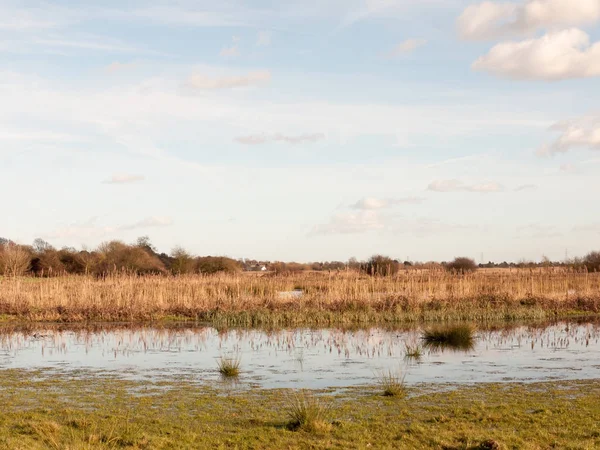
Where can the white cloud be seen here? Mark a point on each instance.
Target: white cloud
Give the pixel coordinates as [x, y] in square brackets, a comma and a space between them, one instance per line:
[230, 52]
[537, 231]
[456, 186]
[120, 67]
[554, 56]
[590, 228]
[351, 223]
[89, 228]
[124, 179]
[203, 82]
[406, 47]
[264, 38]
[568, 168]
[526, 187]
[371, 203]
[489, 20]
[150, 222]
[263, 139]
[583, 132]
[365, 221]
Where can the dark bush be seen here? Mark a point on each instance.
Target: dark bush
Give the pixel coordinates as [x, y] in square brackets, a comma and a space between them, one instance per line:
[115, 256]
[379, 265]
[215, 264]
[462, 264]
[592, 262]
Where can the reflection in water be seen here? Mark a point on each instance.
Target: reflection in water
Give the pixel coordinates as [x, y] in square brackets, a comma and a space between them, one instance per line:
[454, 338]
[305, 357]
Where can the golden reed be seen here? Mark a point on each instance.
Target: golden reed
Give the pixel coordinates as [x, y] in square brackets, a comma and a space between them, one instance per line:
[326, 298]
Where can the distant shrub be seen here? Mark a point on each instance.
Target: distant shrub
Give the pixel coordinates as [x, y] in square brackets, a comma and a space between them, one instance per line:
[215, 264]
[115, 256]
[462, 264]
[14, 259]
[47, 263]
[181, 262]
[291, 267]
[592, 261]
[379, 265]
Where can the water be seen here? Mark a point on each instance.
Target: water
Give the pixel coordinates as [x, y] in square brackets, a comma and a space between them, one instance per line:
[305, 358]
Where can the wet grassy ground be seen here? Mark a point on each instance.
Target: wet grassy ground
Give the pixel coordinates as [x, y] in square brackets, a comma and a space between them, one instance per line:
[85, 410]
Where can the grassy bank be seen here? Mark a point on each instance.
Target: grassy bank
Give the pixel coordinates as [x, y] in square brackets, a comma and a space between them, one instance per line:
[87, 411]
[337, 298]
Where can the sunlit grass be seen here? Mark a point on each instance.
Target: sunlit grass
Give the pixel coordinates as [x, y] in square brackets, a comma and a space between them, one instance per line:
[307, 412]
[392, 383]
[229, 367]
[338, 298]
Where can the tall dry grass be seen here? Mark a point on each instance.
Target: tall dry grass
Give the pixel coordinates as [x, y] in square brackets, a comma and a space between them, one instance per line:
[344, 297]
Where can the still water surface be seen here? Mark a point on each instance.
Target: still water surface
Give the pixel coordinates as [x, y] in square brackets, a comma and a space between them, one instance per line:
[306, 358]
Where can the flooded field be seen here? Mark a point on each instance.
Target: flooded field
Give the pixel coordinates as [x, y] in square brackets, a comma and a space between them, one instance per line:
[308, 358]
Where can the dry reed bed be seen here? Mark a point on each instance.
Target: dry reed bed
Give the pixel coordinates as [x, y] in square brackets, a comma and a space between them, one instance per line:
[344, 297]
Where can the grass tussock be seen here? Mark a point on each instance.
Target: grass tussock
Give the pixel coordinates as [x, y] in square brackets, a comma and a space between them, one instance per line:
[457, 337]
[307, 412]
[392, 383]
[414, 352]
[229, 367]
[241, 299]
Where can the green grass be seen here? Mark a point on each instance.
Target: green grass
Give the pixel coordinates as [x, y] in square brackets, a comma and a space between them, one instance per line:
[413, 352]
[456, 337]
[229, 367]
[83, 410]
[307, 412]
[392, 383]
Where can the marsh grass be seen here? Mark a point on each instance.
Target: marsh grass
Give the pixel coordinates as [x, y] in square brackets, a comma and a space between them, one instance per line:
[307, 412]
[414, 352]
[392, 383]
[339, 298]
[229, 367]
[457, 337]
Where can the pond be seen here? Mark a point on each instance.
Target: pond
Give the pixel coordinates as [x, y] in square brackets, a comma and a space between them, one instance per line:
[306, 358]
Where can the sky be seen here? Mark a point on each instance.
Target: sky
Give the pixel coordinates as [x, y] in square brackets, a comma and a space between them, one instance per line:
[303, 130]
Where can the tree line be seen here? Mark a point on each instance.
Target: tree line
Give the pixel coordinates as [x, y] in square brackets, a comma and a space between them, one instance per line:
[141, 257]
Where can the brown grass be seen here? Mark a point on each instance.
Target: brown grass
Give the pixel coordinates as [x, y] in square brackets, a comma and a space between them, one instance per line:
[344, 297]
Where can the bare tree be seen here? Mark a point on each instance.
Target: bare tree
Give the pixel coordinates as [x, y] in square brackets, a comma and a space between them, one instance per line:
[14, 260]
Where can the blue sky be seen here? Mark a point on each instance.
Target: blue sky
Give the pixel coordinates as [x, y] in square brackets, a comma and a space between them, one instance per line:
[303, 130]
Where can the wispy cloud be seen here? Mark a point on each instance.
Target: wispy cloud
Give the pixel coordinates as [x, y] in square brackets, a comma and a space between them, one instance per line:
[204, 82]
[150, 222]
[372, 203]
[294, 140]
[457, 185]
[536, 231]
[569, 168]
[117, 66]
[124, 179]
[406, 47]
[90, 228]
[232, 51]
[526, 187]
[351, 223]
[263, 39]
[583, 132]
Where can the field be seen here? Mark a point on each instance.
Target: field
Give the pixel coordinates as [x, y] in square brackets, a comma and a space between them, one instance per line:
[319, 298]
[41, 410]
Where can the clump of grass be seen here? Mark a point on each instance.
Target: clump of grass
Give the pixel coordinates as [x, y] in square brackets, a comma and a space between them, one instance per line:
[413, 352]
[229, 367]
[392, 383]
[457, 337]
[308, 413]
